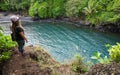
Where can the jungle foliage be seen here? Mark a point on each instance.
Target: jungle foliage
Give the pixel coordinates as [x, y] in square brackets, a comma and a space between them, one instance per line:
[47, 8]
[95, 11]
[5, 46]
[14, 4]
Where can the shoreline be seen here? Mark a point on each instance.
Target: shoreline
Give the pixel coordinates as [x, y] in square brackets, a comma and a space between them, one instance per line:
[104, 27]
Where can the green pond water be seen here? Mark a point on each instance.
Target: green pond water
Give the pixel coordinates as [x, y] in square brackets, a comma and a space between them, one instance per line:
[63, 41]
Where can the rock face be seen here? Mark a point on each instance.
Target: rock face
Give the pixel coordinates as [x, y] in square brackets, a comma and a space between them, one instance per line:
[109, 27]
[108, 69]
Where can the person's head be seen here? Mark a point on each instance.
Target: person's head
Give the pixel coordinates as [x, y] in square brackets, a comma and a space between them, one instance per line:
[15, 20]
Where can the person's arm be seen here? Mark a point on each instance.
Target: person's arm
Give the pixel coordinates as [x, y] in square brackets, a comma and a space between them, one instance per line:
[23, 36]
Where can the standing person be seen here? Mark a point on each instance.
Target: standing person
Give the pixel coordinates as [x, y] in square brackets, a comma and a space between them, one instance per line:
[18, 31]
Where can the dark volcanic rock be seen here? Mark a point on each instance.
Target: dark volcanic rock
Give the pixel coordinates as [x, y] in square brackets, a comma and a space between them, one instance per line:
[102, 69]
[109, 27]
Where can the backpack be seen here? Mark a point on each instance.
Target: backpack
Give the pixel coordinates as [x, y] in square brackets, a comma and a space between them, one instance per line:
[13, 37]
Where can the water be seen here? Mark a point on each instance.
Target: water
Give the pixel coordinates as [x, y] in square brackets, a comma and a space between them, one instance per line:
[63, 41]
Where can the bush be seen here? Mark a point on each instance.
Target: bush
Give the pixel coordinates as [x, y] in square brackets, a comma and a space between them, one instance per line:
[57, 8]
[5, 46]
[77, 65]
[47, 9]
[114, 52]
[33, 11]
[42, 10]
[97, 57]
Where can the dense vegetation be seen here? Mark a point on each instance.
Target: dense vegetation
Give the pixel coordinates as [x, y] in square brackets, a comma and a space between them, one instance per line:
[5, 46]
[95, 11]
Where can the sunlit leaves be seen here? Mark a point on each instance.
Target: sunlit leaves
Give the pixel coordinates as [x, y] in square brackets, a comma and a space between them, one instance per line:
[96, 55]
[114, 52]
[103, 60]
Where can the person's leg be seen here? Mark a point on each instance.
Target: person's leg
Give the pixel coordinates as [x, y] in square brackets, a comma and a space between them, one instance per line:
[21, 46]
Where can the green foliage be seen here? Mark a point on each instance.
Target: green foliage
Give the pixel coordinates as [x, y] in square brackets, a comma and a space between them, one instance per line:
[14, 4]
[91, 7]
[99, 11]
[3, 7]
[33, 9]
[92, 10]
[74, 7]
[114, 52]
[114, 6]
[5, 56]
[77, 64]
[97, 56]
[24, 4]
[39, 9]
[5, 45]
[57, 8]
[47, 8]
[42, 10]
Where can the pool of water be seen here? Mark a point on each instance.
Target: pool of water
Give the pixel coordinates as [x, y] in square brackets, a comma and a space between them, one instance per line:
[63, 41]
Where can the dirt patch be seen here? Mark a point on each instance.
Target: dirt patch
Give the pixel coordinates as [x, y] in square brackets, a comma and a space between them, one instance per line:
[35, 62]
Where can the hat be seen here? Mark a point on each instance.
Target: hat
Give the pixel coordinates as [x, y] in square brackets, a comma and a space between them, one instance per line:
[14, 18]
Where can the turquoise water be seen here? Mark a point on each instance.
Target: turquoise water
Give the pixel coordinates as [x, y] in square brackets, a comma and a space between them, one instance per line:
[63, 41]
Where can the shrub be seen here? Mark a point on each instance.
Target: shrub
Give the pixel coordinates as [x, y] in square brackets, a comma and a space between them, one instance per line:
[114, 52]
[47, 9]
[33, 11]
[42, 10]
[5, 46]
[57, 8]
[97, 57]
[77, 65]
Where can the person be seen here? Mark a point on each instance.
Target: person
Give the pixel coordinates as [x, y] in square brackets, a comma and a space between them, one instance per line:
[18, 31]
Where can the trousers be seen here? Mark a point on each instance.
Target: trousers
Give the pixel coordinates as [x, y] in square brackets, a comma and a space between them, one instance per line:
[21, 44]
